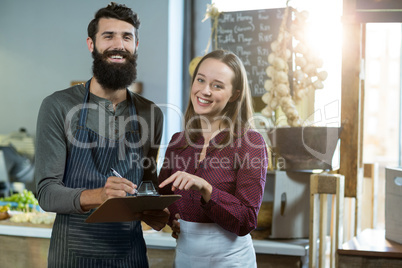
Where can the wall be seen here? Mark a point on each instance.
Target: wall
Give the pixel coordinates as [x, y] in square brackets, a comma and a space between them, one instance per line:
[43, 48]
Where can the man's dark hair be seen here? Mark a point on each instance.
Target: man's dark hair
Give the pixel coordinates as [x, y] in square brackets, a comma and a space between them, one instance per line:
[114, 11]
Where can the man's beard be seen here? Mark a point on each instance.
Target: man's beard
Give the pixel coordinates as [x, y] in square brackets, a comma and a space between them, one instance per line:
[112, 75]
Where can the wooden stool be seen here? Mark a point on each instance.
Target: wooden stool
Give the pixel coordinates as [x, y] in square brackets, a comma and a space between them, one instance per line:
[320, 186]
[369, 203]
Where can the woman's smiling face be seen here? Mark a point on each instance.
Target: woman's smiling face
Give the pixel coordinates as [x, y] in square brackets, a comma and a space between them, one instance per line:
[212, 88]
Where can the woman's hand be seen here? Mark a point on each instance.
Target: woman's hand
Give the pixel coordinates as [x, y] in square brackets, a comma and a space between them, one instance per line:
[176, 226]
[156, 219]
[184, 181]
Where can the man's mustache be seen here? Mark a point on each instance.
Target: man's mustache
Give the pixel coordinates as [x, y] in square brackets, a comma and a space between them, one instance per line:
[124, 54]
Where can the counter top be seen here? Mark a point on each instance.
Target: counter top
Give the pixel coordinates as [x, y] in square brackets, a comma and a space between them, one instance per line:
[295, 247]
[372, 243]
[162, 240]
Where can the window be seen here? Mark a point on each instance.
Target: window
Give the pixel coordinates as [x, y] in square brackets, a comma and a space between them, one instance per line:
[382, 103]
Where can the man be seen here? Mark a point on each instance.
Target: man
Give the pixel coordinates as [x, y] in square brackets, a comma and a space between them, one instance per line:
[85, 131]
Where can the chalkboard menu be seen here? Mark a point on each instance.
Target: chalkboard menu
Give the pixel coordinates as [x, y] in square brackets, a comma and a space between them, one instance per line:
[249, 34]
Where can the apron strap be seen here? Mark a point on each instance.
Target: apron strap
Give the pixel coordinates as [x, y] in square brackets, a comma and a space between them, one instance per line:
[84, 111]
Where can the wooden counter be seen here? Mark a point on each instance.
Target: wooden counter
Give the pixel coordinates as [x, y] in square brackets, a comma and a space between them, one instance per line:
[26, 245]
[370, 249]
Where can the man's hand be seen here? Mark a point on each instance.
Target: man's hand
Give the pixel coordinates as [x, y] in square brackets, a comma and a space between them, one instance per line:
[117, 187]
[156, 219]
[114, 187]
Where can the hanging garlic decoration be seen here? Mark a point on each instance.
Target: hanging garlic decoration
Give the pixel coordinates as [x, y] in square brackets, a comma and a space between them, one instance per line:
[213, 14]
[306, 74]
[278, 87]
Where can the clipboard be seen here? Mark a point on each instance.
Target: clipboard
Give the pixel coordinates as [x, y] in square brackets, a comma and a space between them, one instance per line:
[122, 209]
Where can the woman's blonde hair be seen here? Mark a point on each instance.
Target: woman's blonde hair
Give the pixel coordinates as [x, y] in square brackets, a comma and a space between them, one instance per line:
[238, 113]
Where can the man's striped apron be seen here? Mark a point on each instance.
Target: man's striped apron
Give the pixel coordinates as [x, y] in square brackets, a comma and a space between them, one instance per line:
[75, 243]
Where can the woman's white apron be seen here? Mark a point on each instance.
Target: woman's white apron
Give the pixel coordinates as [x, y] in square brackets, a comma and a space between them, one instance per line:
[209, 245]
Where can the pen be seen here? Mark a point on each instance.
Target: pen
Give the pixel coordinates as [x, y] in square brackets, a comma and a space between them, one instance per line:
[117, 174]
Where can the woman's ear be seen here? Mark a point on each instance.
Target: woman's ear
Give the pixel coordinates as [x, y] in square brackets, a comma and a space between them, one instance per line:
[235, 96]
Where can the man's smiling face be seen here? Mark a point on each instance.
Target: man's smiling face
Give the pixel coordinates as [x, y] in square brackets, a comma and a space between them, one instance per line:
[115, 35]
[114, 53]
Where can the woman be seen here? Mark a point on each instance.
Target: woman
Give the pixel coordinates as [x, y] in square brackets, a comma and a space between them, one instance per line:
[218, 165]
